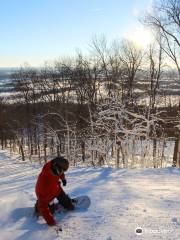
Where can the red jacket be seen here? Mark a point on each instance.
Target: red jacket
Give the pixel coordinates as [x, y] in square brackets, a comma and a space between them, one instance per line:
[47, 188]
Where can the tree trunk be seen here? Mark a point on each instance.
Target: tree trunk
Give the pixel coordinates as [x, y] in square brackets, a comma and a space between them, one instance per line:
[83, 150]
[22, 152]
[154, 153]
[118, 157]
[176, 155]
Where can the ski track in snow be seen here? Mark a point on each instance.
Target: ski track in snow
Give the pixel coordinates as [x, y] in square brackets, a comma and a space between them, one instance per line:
[121, 201]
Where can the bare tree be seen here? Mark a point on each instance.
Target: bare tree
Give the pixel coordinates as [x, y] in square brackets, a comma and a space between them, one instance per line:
[101, 51]
[165, 19]
[154, 58]
[131, 56]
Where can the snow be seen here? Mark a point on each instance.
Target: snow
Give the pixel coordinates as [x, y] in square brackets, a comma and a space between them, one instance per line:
[121, 201]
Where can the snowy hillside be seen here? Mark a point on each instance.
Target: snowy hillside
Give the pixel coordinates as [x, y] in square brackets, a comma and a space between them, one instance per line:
[121, 201]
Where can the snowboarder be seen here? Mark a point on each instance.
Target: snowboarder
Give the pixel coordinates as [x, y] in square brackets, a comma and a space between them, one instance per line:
[48, 187]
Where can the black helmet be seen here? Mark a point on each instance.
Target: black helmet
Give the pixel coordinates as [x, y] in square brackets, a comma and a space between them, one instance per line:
[59, 165]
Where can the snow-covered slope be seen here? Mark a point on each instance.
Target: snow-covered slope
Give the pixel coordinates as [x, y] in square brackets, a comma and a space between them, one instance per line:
[121, 201]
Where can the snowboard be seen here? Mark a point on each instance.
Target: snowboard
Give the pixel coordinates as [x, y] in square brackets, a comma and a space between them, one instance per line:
[80, 203]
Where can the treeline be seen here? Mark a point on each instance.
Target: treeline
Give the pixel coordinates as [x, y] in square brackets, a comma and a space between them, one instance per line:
[88, 108]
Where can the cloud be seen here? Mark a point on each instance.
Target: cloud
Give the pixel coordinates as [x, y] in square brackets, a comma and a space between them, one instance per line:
[138, 9]
[139, 35]
[136, 12]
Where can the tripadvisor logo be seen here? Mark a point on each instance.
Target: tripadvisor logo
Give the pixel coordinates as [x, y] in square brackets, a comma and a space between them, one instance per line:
[138, 231]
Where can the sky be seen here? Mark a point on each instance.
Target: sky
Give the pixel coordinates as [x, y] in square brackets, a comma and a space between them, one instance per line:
[36, 31]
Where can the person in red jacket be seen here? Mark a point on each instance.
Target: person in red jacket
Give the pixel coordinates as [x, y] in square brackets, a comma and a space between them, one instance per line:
[48, 187]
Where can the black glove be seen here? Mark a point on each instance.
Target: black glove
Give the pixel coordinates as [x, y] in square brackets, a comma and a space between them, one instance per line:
[57, 228]
[64, 182]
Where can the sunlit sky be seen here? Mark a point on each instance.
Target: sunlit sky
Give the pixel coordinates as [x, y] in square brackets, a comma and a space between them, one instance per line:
[35, 31]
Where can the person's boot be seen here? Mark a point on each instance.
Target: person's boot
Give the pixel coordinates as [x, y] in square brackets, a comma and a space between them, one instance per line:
[52, 208]
[65, 201]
